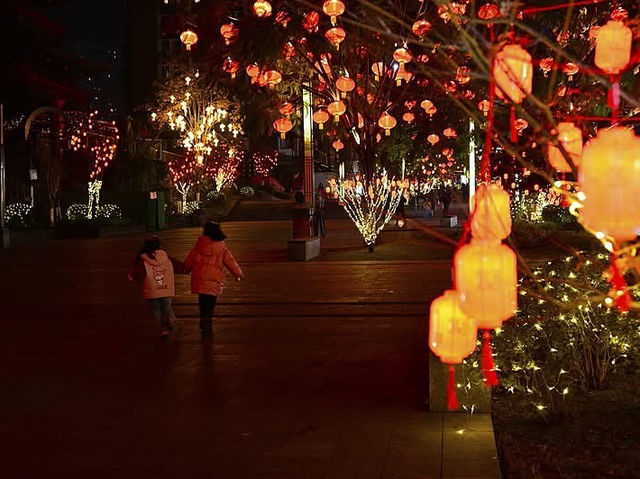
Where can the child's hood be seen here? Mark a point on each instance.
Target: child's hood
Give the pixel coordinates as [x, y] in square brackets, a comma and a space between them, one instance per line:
[207, 247]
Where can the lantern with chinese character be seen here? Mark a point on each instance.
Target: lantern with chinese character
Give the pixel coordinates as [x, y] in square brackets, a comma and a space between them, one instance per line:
[189, 37]
[513, 73]
[320, 117]
[452, 336]
[336, 108]
[570, 136]
[282, 125]
[345, 85]
[613, 47]
[610, 180]
[491, 215]
[387, 122]
[333, 8]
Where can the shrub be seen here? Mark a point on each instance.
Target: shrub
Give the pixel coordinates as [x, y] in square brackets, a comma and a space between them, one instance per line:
[109, 211]
[247, 192]
[77, 211]
[559, 216]
[192, 207]
[16, 214]
[529, 234]
[561, 340]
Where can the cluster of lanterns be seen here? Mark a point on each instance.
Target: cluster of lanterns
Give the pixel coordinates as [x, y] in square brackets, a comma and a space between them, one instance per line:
[485, 294]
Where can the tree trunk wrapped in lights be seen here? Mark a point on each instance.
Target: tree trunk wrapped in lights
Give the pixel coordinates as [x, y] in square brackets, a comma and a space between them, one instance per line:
[369, 203]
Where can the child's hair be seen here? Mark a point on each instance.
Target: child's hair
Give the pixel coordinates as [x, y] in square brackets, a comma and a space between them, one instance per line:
[149, 247]
[213, 231]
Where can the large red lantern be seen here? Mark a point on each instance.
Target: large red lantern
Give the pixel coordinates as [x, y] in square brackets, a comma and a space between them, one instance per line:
[231, 66]
[613, 47]
[609, 178]
[491, 213]
[513, 73]
[310, 21]
[282, 125]
[189, 37]
[336, 108]
[570, 136]
[345, 85]
[287, 109]
[452, 336]
[320, 117]
[421, 28]
[387, 122]
[336, 36]
[333, 8]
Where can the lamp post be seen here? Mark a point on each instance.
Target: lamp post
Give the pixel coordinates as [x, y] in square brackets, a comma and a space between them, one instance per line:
[307, 130]
[4, 231]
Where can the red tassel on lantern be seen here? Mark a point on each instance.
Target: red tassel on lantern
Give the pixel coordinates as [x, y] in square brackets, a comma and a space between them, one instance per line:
[623, 301]
[613, 98]
[452, 400]
[512, 124]
[488, 367]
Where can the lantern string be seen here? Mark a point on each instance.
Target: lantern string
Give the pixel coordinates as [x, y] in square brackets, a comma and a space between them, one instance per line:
[488, 367]
[452, 400]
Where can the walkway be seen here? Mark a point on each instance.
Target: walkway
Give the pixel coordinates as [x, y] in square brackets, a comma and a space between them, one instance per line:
[317, 370]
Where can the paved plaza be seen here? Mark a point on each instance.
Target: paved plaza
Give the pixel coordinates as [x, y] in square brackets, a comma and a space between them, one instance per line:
[316, 370]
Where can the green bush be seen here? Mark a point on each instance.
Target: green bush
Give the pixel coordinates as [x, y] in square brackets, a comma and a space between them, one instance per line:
[564, 339]
[560, 216]
[529, 234]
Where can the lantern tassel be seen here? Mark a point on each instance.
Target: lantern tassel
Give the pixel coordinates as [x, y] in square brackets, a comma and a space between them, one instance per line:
[452, 400]
[613, 99]
[488, 368]
[622, 296]
[512, 124]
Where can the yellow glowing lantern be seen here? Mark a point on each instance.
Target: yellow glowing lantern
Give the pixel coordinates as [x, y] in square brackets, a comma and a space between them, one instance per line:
[333, 8]
[486, 276]
[336, 108]
[345, 85]
[452, 334]
[570, 136]
[282, 125]
[229, 32]
[402, 55]
[262, 9]
[513, 73]
[189, 37]
[491, 215]
[387, 122]
[320, 117]
[337, 145]
[253, 70]
[433, 139]
[378, 70]
[408, 117]
[613, 47]
[428, 107]
[335, 35]
[609, 178]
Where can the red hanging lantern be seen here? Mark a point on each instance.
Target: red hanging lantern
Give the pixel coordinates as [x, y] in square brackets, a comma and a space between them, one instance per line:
[345, 85]
[336, 36]
[270, 78]
[189, 38]
[229, 32]
[484, 106]
[231, 66]
[408, 117]
[337, 145]
[287, 109]
[386, 122]
[336, 108]
[421, 28]
[379, 69]
[452, 336]
[402, 55]
[570, 136]
[513, 73]
[609, 178]
[282, 125]
[491, 213]
[333, 8]
[488, 11]
[428, 107]
[262, 9]
[321, 117]
[613, 47]
[310, 21]
[570, 69]
[433, 139]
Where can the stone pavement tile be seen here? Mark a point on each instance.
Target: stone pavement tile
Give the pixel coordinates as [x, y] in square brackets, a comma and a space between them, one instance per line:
[469, 447]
